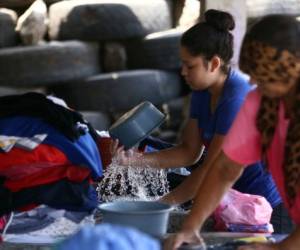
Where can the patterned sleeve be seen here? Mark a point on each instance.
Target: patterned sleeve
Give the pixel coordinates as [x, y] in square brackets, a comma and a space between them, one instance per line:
[243, 142]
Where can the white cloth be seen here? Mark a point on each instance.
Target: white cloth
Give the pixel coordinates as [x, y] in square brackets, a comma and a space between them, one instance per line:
[27, 143]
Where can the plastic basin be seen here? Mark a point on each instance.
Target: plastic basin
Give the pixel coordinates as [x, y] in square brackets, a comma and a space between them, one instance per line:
[136, 124]
[147, 216]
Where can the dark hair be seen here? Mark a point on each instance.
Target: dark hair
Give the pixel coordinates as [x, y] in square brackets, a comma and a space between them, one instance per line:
[278, 30]
[211, 37]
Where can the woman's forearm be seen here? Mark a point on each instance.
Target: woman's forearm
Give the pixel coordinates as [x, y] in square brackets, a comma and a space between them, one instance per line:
[219, 178]
[186, 153]
[177, 156]
[187, 189]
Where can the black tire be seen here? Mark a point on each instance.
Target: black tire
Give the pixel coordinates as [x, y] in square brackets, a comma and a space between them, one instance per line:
[94, 20]
[47, 64]
[21, 3]
[114, 57]
[121, 91]
[175, 110]
[8, 37]
[99, 121]
[155, 51]
[259, 8]
[16, 91]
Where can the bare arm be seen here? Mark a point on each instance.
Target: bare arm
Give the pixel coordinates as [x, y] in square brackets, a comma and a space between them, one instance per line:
[188, 189]
[187, 152]
[218, 180]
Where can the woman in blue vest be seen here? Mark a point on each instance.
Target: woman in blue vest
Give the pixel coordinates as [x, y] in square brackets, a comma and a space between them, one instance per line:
[218, 92]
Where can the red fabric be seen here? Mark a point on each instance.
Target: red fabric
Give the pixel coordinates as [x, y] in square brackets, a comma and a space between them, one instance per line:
[19, 163]
[48, 175]
[43, 165]
[103, 144]
[27, 207]
[3, 221]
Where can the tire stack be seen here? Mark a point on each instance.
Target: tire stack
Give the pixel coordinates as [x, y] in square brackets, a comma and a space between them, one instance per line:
[259, 8]
[101, 56]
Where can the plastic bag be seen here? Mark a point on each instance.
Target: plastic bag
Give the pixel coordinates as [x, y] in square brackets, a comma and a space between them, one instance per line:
[237, 208]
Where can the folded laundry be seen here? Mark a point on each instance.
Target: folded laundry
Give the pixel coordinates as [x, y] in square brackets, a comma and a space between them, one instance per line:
[27, 143]
[48, 155]
[38, 105]
[83, 151]
[62, 194]
[38, 219]
[264, 228]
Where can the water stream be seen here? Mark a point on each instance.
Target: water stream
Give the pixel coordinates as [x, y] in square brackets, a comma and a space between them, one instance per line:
[132, 183]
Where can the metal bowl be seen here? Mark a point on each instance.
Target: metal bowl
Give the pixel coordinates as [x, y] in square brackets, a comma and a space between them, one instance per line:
[136, 124]
[148, 216]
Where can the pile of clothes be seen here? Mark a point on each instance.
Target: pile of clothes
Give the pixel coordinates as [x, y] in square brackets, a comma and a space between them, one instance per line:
[49, 155]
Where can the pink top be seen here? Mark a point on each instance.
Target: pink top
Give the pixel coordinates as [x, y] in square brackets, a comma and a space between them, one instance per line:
[243, 145]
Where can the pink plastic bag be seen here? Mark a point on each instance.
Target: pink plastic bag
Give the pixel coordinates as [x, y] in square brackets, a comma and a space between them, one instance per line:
[242, 209]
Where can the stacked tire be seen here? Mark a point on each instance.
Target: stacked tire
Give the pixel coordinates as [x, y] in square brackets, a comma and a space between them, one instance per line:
[102, 56]
[259, 8]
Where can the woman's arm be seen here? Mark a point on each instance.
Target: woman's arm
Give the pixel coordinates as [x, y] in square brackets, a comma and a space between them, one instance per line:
[219, 178]
[188, 189]
[185, 153]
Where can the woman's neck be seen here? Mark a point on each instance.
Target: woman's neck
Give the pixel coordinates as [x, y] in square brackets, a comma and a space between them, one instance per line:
[216, 91]
[217, 87]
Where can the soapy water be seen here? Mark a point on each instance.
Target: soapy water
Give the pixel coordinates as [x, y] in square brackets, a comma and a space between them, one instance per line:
[132, 183]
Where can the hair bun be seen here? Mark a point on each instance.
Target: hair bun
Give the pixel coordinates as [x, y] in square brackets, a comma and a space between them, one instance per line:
[220, 20]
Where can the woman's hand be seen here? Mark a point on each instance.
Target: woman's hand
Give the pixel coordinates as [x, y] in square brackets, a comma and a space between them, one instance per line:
[176, 240]
[121, 157]
[113, 147]
[261, 246]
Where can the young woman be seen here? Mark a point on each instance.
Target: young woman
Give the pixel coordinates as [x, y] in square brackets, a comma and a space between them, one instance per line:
[267, 127]
[218, 93]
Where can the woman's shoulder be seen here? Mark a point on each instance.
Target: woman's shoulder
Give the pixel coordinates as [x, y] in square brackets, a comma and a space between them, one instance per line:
[253, 97]
[237, 84]
[251, 103]
[238, 76]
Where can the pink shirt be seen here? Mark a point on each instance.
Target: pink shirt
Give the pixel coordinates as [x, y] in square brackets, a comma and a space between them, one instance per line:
[243, 145]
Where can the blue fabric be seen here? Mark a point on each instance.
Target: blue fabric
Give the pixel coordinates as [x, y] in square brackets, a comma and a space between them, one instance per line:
[255, 180]
[62, 194]
[109, 237]
[82, 152]
[234, 92]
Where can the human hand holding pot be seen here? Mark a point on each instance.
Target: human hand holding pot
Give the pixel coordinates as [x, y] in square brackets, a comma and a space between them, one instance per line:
[131, 157]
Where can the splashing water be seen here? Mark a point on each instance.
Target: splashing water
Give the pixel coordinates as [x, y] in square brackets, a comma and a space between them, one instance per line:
[132, 183]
